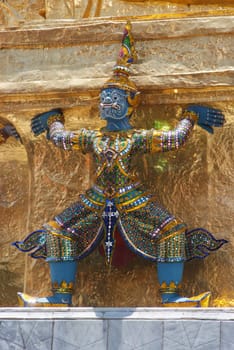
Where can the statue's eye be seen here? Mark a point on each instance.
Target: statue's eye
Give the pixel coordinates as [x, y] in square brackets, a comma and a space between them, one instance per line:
[115, 97]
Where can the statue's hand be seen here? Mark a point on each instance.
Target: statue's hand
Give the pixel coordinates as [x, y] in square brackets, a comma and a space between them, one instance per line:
[41, 122]
[208, 117]
[9, 130]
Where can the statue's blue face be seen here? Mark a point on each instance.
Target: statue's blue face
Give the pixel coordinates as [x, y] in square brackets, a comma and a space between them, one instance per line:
[114, 104]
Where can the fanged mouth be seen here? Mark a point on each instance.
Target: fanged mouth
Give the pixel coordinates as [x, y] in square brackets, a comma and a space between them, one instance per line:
[110, 105]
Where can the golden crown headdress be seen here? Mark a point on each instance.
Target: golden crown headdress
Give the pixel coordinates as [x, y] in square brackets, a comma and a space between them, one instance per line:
[121, 71]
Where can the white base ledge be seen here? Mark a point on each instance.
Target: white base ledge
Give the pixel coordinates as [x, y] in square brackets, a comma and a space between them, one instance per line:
[108, 313]
[116, 329]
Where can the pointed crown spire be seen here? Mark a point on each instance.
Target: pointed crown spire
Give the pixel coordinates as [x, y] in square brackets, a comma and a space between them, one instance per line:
[121, 71]
[127, 53]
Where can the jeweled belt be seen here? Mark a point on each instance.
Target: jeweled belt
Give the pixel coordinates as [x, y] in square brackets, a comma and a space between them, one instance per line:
[111, 191]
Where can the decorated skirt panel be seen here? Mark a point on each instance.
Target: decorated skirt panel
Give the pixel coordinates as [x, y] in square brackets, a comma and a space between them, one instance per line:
[80, 232]
[160, 237]
[74, 234]
[77, 218]
[126, 199]
[151, 232]
[66, 245]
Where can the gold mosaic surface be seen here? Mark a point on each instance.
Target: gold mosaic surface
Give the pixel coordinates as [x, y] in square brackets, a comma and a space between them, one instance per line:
[20, 12]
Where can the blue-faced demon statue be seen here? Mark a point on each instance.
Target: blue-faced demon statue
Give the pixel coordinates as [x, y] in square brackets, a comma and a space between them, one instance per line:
[118, 200]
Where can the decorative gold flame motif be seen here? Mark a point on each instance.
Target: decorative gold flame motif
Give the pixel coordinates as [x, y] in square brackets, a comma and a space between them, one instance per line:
[63, 287]
[171, 288]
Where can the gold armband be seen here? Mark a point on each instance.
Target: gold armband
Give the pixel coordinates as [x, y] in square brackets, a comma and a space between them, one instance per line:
[77, 141]
[156, 142]
[55, 118]
[190, 115]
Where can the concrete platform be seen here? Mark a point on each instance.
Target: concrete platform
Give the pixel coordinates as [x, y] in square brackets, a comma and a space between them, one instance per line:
[116, 329]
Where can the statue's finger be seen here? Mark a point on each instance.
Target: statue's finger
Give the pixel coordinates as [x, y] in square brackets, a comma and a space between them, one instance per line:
[219, 115]
[217, 124]
[215, 110]
[215, 118]
[35, 119]
[37, 131]
[214, 122]
[14, 133]
[35, 125]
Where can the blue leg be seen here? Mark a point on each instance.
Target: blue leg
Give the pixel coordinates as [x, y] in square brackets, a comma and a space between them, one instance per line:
[170, 276]
[63, 274]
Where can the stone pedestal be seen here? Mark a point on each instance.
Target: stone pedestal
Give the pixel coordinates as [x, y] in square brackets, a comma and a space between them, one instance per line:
[116, 329]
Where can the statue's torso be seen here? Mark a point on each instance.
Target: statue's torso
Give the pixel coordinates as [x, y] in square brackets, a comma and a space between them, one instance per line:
[113, 158]
[116, 178]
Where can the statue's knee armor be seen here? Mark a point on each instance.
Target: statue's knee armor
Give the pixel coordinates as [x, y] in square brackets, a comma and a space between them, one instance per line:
[58, 246]
[171, 244]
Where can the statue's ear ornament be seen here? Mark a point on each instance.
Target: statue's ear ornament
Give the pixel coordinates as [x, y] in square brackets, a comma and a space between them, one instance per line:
[134, 99]
[121, 71]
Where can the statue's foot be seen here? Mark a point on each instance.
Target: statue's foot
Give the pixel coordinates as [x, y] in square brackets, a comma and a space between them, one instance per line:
[26, 300]
[201, 300]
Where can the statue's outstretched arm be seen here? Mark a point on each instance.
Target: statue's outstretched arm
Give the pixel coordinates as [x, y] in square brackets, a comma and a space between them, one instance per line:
[7, 130]
[41, 122]
[53, 123]
[205, 117]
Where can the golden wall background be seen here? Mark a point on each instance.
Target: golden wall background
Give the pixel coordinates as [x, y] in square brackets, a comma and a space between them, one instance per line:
[58, 54]
[17, 12]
